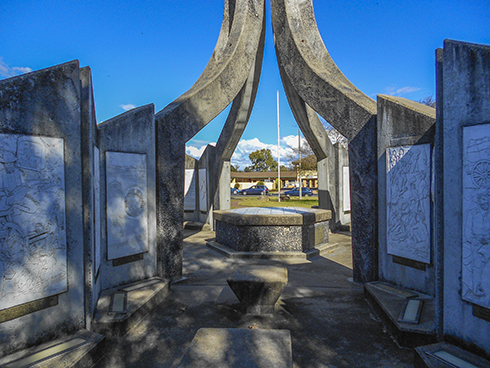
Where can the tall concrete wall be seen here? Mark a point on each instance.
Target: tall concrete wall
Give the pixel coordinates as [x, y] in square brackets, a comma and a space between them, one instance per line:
[463, 94]
[128, 238]
[404, 193]
[42, 252]
[91, 194]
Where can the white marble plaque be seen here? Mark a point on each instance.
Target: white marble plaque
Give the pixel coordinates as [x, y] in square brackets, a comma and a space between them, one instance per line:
[346, 188]
[408, 202]
[190, 190]
[476, 214]
[97, 209]
[127, 206]
[32, 219]
[203, 190]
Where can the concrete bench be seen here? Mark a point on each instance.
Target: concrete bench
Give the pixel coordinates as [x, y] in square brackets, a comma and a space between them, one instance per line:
[258, 287]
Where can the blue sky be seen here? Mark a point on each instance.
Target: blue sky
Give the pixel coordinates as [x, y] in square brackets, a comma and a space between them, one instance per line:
[152, 51]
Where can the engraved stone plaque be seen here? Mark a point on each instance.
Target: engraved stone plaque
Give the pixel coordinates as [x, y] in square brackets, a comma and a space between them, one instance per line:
[408, 202]
[32, 219]
[127, 207]
[203, 190]
[476, 214]
[190, 190]
[346, 188]
[97, 209]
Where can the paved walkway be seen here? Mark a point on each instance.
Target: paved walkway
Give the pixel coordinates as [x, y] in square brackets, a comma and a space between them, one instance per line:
[331, 323]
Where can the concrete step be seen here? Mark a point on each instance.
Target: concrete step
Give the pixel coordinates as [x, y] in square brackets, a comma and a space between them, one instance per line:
[119, 309]
[81, 350]
[319, 250]
[389, 302]
[444, 355]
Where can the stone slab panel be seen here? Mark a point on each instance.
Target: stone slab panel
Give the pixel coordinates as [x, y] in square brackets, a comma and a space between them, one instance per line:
[233, 348]
[32, 219]
[346, 188]
[97, 210]
[476, 214]
[203, 190]
[408, 202]
[127, 204]
[190, 190]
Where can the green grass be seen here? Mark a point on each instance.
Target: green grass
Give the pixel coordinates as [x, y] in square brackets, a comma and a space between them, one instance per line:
[305, 202]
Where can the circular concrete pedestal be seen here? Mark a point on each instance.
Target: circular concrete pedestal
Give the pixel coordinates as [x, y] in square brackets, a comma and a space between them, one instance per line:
[259, 231]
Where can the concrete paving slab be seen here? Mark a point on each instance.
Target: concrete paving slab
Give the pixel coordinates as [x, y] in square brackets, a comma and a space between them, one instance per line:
[239, 348]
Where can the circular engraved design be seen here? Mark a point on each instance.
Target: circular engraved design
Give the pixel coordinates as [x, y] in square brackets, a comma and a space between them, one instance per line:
[481, 174]
[134, 202]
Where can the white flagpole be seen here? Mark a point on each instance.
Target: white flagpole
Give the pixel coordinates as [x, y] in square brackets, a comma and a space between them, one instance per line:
[278, 153]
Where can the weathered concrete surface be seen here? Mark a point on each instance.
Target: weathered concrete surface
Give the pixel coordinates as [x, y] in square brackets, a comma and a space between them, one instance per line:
[218, 85]
[47, 103]
[318, 81]
[401, 122]
[239, 347]
[290, 229]
[331, 323]
[139, 124]
[464, 92]
[258, 287]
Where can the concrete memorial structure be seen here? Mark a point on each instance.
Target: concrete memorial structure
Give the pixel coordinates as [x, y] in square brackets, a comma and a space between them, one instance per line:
[315, 84]
[463, 96]
[405, 181]
[128, 182]
[239, 43]
[42, 248]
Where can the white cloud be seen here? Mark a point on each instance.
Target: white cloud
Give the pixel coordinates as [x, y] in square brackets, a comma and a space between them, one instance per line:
[127, 107]
[245, 147]
[7, 71]
[401, 91]
[196, 148]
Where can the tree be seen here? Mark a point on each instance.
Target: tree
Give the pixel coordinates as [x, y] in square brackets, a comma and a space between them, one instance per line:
[308, 158]
[429, 101]
[262, 160]
[234, 168]
[334, 135]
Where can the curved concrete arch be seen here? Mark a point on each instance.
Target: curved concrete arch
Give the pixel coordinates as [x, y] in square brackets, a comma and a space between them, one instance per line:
[308, 71]
[221, 81]
[236, 122]
[315, 76]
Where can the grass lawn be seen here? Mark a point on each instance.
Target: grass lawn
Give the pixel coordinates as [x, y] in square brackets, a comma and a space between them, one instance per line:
[306, 202]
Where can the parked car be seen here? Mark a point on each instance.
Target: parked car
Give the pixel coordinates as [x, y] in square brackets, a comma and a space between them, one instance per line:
[234, 191]
[295, 192]
[255, 189]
